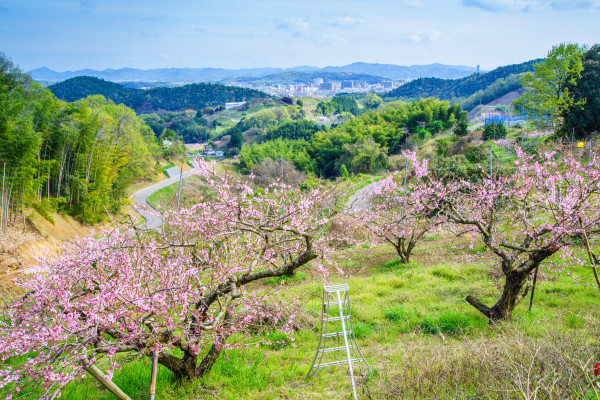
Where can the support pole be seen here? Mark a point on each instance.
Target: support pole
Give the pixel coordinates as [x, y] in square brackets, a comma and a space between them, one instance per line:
[345, 334]
[109, 385]
[404, 195]
[589, 253]
[590, 154]
[153, 376]
[490, 161]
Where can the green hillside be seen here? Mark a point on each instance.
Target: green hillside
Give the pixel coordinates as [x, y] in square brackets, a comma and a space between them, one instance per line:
[506, 79]
[193, 96]
[83, 86]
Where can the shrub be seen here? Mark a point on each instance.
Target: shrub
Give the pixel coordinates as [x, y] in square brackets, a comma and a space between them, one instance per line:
[450, 323]
[362, 330]
[277, 340]
[278, 280]
[494, 130]
[406, 320]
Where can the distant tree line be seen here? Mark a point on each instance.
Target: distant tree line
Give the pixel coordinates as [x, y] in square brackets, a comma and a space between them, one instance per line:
[456, 89]
[359, 145]
[338, 105]
[193, 96]
[585, 119]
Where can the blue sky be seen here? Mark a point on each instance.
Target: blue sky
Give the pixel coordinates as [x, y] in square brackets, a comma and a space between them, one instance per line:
[75, 34]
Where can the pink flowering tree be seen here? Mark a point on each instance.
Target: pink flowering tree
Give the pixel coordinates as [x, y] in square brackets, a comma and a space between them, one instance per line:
[538, 208]
[401, 214]
[180, 294]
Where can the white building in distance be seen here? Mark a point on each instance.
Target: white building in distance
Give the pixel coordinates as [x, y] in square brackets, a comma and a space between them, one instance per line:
[234, 105]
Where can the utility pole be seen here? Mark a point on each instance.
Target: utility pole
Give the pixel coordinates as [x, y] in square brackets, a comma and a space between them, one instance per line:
[179, 190]
[490, 162]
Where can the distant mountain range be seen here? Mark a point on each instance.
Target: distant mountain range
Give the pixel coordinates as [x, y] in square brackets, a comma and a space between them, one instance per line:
[194, 75]
[296, 77]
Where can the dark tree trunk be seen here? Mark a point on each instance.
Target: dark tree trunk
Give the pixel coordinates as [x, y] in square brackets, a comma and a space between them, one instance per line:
[209, 360]
[188, 367]
[403, 257]
[404, 250]
[512, 294]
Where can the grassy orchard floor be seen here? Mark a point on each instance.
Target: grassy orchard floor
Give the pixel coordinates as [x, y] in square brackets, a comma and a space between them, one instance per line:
[398, 312]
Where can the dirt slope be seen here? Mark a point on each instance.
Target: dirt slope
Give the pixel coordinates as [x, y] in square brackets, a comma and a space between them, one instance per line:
[20, 248]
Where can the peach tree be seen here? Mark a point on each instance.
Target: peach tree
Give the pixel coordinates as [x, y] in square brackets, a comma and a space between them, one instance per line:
[180, 294]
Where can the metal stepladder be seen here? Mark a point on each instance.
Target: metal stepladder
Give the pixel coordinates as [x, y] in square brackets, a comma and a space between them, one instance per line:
[332, 296]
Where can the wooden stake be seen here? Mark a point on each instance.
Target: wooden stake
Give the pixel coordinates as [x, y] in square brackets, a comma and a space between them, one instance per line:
[99, 376]
[533, 288]
[589, 252]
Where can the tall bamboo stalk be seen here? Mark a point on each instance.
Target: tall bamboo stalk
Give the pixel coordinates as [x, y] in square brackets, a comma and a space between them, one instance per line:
[2, 201]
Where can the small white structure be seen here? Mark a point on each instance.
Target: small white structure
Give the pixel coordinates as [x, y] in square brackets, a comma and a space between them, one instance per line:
[229, 106]
[336, 324]
[209, 152]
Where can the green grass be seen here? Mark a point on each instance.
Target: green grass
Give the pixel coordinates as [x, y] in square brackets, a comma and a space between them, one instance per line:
[162, 196]
[399, 312]
[278, 280]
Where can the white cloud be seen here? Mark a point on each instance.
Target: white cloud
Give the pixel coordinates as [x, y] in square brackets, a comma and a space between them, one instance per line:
[426, 37]
[344, 21]
[296, 26]
[532, 5]
[321, 28]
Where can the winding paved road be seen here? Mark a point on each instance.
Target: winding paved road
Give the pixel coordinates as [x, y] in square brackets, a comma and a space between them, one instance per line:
[360, 200]
[141, 205]
[357, 201]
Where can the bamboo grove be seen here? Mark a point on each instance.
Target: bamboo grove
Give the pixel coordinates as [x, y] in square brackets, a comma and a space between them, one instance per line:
[75, 157]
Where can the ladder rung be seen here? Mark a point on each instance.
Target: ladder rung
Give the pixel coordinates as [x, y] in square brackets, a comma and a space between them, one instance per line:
[337, 363]
[336, 334]
[336, 318]
[335, 288]
[329, 350]
[334, 303]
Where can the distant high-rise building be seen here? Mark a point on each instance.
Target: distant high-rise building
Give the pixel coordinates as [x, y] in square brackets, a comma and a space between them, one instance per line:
[301, 88]
[387, 84]
[477, 69]
[326, 86]
[347, 84]
[318, 81]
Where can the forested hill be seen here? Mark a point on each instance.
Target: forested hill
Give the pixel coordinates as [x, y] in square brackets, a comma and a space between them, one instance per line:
[454, 89]
[83, 86]
[193, 96]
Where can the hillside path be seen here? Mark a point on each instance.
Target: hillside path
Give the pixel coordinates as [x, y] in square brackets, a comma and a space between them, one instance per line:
[141, 205]
[360, 199]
